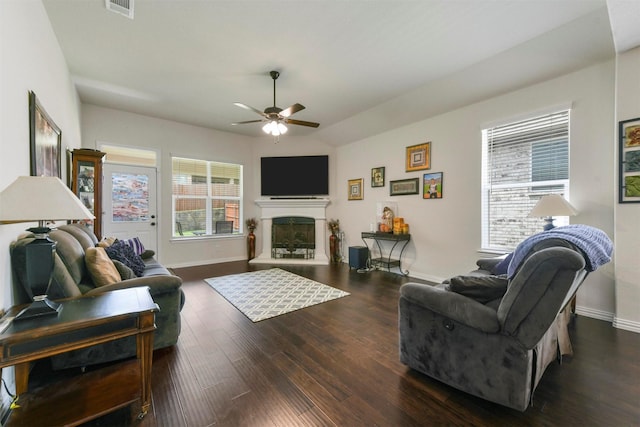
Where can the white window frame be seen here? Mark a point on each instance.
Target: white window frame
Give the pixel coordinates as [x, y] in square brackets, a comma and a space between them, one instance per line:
[532, 189]
[209, 198]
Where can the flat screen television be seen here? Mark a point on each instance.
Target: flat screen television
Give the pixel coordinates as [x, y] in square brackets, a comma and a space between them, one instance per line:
[294, 176]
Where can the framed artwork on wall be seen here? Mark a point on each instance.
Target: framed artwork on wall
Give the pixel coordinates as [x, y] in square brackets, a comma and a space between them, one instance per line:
[45, 141]
[629, 172]
[377, 177]
[418, 157]
[404, 186]
[432, 185]
[355, 189]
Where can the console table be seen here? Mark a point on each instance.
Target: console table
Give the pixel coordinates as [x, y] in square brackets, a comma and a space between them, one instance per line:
[82, 322]
[400, 242]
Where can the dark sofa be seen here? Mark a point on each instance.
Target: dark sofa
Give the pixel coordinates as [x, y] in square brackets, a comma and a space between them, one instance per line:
[72, 279]
[494, 335]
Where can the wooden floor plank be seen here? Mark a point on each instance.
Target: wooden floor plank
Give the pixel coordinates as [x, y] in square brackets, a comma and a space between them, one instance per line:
[337, 364]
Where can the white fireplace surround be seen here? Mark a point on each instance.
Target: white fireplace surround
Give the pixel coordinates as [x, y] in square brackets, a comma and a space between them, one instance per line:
[310, 208]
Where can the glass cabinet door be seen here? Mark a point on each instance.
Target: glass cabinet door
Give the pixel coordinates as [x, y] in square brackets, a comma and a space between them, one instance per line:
[87, 183]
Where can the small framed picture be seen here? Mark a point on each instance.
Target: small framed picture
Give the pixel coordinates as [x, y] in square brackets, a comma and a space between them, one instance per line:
[432, 185]
[418, 157]
[404, 186]
[355, 189]
[629, 172]
[377, 177]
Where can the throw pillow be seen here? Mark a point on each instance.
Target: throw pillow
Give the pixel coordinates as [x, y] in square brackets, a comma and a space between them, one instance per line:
[125, 272]
[480, 288]
[136, 244]
[148, 253]
[502, 266]
[124, 253]
[106, 242]
[100, 266]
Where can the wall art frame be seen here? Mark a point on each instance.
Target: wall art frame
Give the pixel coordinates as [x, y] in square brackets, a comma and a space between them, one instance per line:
[418, 157]
[629, 162]
[403, 187]
[432, 185]
[377, 177]
[45, 139]
[355, 191]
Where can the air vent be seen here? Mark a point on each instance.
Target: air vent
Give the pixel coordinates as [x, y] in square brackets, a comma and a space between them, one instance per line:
[122, 7]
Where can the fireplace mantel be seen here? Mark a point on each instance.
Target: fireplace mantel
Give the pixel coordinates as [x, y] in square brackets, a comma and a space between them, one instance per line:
[275, 208]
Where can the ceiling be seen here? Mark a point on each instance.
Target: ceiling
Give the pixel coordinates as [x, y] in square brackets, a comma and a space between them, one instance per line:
[359, 67]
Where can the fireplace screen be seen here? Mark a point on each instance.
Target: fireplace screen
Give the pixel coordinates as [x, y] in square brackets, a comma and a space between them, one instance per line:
[293, 237]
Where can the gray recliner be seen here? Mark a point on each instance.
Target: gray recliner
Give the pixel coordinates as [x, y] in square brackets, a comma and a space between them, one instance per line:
[493, 348]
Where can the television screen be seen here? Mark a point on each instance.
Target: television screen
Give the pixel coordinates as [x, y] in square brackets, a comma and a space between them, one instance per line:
[294, 176]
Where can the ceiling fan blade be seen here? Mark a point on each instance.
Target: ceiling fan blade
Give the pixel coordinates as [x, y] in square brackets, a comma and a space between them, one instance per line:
[302, 123]
[247, 121]
[291, 110]
[248, 107]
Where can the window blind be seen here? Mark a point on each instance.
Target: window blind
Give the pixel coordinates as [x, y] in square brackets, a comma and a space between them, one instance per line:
[522, 161]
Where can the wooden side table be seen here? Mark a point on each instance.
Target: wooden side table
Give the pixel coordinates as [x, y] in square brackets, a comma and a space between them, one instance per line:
[81, 323]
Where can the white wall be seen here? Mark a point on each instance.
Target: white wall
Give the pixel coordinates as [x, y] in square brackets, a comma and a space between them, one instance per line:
[627, 215]
[30, 59]
[445, 233]
[292, 146]
[103, 125]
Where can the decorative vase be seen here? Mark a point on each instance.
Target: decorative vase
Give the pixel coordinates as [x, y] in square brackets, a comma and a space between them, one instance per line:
[333, 247]
[251, 245]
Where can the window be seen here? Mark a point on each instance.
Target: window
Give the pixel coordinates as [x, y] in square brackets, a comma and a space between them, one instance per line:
[204, 193]
[522, 161]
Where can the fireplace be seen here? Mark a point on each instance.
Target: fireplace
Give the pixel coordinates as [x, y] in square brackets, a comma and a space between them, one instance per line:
[293, 237]
[292, 231]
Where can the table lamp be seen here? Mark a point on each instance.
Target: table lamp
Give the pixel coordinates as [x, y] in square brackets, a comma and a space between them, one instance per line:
[552, 205]
[42, 199]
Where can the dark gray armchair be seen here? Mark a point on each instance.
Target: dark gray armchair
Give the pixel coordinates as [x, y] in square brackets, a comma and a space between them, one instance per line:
[493, 348]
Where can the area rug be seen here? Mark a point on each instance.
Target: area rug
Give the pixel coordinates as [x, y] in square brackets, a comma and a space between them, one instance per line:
[264, 294]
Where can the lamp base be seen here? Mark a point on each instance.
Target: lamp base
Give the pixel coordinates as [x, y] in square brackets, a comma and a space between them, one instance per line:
[548, 224]
[41, 306]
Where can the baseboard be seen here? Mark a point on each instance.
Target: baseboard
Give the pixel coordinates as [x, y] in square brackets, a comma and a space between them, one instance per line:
[427, 277]
[627, 325]
[594, 314]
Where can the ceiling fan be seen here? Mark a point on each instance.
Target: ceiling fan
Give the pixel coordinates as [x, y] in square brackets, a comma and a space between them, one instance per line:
[276, 117]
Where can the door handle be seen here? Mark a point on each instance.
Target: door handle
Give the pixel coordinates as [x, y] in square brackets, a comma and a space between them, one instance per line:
[153, 223]
[153, 216]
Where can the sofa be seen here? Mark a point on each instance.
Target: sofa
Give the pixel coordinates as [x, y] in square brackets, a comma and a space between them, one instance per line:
[492, 333]
[80, 270]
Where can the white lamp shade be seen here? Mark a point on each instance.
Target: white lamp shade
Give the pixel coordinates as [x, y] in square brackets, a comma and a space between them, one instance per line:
[552, 205]
[40, 198]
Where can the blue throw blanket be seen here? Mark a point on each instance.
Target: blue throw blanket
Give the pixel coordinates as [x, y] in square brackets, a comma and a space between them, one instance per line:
[594, 242]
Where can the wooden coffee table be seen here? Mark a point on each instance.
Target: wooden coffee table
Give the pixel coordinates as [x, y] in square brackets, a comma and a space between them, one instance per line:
[83, 322]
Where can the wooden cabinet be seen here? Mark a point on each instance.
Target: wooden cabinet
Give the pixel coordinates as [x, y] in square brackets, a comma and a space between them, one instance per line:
[86, 182]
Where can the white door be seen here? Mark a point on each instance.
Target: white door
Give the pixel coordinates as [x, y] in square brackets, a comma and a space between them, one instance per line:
[129, 203]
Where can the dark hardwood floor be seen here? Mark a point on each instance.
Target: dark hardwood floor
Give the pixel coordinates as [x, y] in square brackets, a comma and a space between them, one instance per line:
[336, 364]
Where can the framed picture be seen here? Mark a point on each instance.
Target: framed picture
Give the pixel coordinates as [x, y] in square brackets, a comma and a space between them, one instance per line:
[45, 141]
[418, 157]
[404, 186]
[629, 135]
[432, 185]
[355, 189]
[377, 177]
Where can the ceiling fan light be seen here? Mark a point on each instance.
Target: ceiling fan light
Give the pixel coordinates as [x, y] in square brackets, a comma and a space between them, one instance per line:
[274, 128]
[267, 128]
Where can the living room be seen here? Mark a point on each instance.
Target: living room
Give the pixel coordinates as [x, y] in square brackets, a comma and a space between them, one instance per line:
[446, 234]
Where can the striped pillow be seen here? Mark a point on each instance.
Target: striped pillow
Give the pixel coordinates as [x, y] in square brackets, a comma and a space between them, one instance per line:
[136, 245]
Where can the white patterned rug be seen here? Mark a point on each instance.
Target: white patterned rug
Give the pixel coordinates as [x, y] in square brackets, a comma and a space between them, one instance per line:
[269, 293]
